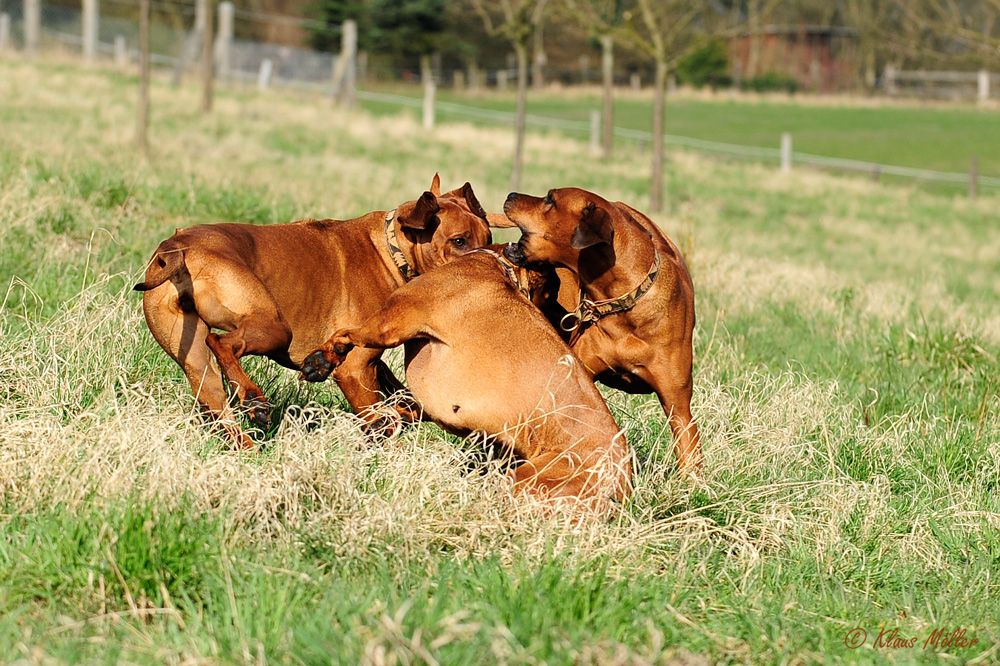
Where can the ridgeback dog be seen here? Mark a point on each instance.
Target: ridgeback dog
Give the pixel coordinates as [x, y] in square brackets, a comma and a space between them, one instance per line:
[633, 323]
[482, 358]
[281, 290]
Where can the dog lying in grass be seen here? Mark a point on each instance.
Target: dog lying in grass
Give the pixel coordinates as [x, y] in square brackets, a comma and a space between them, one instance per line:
[281, 290]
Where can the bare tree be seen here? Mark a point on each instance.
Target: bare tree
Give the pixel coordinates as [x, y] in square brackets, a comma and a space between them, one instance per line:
[664, 31]
[602, 18]
[871, 19]
[759, 15]
[517, 22]
[951, 32]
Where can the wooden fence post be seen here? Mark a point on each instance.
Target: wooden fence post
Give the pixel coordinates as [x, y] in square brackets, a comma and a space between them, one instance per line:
[90, 17]
[4, 31]
[345, 69]
[121, 52]
[32, 25]
[974, 178]
[264, 75]
[429, 90]
[889, 80]
[595, 132]
[224, 40]
[786, 152]
[502, 80]
[635, 81]
[142, 123]
[203, 14]
[984, 86]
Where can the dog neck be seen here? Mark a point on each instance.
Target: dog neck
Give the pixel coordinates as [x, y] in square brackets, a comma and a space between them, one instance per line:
[609, 271]
[400, 249]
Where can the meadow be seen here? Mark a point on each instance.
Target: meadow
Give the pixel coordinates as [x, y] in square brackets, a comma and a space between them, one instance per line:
[937, 137]
[846, 365]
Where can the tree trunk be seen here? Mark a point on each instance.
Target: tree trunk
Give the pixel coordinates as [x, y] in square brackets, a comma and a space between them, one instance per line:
[607, 77]
[521, 50]
[538, 66]
[753, 57]
[142, 123]
[656, 189]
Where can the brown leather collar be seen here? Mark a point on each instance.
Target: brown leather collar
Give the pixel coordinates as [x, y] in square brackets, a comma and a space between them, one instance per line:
[590, 311]
[508, 268]
[398, 258]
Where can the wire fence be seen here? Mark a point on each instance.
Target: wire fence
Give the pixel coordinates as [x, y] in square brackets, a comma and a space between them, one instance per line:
[756, 153]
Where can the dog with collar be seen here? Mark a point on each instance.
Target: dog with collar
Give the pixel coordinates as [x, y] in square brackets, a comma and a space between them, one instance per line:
[281, 290]
[482, 358]
[632, 325]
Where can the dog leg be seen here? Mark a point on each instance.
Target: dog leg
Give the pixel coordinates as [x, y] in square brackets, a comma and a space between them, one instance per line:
[182, 335]
[258, 336]
[672, 384]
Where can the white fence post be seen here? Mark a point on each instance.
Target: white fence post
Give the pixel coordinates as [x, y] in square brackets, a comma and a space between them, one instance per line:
[264, 75]
[502, 80]
[635, 81]
[121, 52]
[224, 39]
[4, 31]
[32, 25]
[984, 86]
[786, 152]
[90, 14]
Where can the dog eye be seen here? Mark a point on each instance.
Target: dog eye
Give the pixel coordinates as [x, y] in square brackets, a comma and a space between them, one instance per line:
[549, 200]
[459, 242]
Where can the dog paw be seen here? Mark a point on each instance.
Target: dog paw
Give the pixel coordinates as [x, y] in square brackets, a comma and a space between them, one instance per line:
[316, 368]
[318, 365]
[257, 410]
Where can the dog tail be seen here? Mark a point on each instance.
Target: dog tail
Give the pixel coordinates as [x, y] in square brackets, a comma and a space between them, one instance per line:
[166, 262]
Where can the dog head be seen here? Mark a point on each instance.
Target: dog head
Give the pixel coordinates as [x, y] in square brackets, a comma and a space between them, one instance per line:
[557, 227]
[441, 227]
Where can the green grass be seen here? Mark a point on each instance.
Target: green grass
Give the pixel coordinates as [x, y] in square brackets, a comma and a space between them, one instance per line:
[942, 139]
[846, 387]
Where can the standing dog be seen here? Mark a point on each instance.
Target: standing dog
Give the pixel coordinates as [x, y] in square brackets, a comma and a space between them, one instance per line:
[281, 290]
[480, 357]
[634, 322]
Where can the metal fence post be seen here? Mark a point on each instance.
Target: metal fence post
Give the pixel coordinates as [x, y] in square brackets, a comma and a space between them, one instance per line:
[4, 31]
[224, 40]
[90, 18]
[32, 24]
[786, 152]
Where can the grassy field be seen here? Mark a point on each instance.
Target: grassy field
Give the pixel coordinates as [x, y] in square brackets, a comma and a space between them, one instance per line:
[943, 138]
[846, 387]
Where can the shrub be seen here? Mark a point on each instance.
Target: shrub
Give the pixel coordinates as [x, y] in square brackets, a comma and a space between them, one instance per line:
[772, 82]
[706, 65]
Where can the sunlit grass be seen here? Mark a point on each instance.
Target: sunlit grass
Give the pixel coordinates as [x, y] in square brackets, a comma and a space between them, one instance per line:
[846, 363]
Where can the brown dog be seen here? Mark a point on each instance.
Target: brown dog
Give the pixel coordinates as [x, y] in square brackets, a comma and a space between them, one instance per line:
[281, 290]
[481, 358]
[633, 323]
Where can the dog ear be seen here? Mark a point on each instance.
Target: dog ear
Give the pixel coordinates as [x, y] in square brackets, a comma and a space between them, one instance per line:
[470, 198]
[499, 221]
[436, 185]
[421, 214]
[595, 227]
